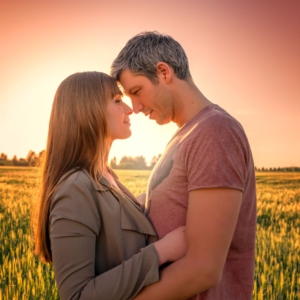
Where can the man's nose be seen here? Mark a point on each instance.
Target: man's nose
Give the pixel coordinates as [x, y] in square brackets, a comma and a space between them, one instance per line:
[137, 106]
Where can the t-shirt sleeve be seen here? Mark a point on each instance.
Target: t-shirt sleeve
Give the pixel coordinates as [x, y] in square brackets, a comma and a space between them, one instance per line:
[215, 155]
[74, 227]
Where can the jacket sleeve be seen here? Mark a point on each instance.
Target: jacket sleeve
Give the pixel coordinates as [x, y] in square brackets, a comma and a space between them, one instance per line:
[74, 226]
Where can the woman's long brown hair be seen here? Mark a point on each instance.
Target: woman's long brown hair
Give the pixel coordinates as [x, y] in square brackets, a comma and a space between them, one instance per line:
[78, 138]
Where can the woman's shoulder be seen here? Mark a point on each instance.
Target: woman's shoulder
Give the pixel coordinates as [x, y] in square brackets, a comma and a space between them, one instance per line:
[75, 199]
[79, 177]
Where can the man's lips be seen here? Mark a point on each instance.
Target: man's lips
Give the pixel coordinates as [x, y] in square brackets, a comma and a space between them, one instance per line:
[148, 113]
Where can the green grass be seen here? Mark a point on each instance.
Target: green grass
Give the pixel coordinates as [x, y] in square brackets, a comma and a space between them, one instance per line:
[22, 276]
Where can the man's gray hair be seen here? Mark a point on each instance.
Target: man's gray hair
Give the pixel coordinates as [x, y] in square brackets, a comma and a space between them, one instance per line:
[142, 53]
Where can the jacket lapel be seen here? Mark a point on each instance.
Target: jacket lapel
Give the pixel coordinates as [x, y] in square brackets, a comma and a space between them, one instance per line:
[132, 216]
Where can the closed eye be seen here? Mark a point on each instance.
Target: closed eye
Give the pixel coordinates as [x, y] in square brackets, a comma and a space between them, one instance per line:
[135, 92]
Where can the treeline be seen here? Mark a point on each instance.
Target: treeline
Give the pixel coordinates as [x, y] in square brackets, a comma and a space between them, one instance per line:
[133, 163]
[32, 159]
[126, 162]
[287, 169]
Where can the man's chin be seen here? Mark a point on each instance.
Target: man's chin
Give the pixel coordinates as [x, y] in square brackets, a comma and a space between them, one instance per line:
[162, 122]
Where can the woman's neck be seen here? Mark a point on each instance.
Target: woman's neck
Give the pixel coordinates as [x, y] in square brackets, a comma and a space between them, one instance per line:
[110, 178]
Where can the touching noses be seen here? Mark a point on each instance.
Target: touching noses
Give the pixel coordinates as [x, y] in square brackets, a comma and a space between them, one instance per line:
[127, 109]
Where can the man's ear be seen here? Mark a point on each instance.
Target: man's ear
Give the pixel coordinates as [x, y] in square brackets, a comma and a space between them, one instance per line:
[164, 71]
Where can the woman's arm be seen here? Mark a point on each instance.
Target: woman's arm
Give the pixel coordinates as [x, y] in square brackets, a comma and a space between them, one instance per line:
[74, 227]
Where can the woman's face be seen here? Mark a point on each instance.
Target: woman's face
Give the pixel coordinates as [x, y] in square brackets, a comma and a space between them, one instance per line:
[118, 118]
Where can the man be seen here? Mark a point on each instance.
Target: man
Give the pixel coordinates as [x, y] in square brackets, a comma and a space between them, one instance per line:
[204, 179]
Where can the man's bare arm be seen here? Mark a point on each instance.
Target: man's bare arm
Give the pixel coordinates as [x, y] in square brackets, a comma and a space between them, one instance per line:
[211, 220]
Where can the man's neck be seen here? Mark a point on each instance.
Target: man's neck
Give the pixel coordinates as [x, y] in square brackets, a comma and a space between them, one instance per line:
[188, 102]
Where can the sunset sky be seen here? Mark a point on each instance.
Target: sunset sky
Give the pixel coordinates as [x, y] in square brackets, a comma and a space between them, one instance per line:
[243, 56]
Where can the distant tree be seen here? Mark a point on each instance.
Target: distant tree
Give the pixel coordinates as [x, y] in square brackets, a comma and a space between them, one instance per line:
[154, 160]
[3, 156]
[140, 163]
[126, 159]
[126, 166]
[113, 163]
[22, 162]
[15, 160]
[126, 162]
[40, 158]
[129, 162]
[32, 158]
[19, 162]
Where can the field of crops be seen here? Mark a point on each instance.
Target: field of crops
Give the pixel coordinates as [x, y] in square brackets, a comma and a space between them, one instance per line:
[277, 271]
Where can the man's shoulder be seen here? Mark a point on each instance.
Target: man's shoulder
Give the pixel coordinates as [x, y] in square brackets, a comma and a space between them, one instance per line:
[213, 120]
[215, 116]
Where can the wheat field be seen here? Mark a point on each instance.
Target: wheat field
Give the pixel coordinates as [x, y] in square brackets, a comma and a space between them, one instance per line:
[277, 269]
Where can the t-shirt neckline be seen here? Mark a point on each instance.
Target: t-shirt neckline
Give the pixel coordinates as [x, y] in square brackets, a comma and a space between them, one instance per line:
[203, 110]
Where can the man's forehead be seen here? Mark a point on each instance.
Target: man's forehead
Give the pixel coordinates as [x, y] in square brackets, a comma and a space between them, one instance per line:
[128, 89]
[127, 74]
[128, 81]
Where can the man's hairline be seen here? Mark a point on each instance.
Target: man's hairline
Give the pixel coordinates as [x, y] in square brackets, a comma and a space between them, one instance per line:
[134, 73]
[118, 80]
[137, 73]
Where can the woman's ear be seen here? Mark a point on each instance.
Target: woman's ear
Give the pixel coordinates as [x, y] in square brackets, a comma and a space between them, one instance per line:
[164, 72]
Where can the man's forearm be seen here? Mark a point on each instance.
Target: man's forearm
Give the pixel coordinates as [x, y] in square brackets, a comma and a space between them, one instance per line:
[181, 280]
[209, 230]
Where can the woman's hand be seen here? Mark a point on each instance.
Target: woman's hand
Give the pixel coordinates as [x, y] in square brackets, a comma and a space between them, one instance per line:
[172, 246]
[141, 199]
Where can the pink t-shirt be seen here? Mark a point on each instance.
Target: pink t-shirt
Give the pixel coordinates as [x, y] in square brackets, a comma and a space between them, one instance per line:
[210, 151]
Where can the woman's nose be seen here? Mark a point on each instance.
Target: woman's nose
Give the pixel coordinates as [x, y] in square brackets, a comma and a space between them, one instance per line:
[128, 110]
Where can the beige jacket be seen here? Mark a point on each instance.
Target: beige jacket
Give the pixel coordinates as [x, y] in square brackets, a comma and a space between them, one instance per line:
[101, 245]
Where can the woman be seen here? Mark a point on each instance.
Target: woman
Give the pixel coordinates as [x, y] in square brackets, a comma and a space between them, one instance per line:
[89, 225]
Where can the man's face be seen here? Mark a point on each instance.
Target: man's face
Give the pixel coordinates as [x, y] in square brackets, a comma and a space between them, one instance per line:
[154, 100]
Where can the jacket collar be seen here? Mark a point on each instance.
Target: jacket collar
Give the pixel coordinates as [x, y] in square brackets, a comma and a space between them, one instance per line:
[132, 216]
[102, 184]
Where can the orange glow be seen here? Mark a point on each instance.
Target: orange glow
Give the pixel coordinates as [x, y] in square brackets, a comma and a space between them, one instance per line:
[244, 56]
